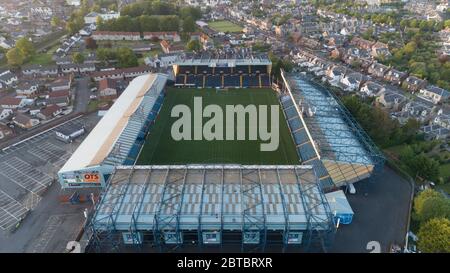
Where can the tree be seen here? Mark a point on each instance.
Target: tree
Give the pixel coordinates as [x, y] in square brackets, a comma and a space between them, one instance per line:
[422, 197]
[436, 207]
[90, 43]
[426, 167]
[194, 13]
[447, 23]
[434, 236]
[188, 24]
[15, 57]
[149, 23]
[193, 45]
[25, 46]
[113, 7]
[169, 23]
[55, 22]
[95, 8]
[126, 57]
[74, 26]
[102, 54]
[78, 58]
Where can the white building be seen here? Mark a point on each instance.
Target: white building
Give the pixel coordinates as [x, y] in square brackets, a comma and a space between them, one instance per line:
[91, 18]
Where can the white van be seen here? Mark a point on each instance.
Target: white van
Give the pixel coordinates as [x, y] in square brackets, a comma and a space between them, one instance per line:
[351, 189]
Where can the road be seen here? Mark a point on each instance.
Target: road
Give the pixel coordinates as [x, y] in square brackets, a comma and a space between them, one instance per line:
[381, 211]
[48, 228]
[82, 93]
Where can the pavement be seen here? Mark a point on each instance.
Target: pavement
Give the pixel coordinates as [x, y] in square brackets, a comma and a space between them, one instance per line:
[381, 210]
[32, 218]
[47, 228]
[82, 93]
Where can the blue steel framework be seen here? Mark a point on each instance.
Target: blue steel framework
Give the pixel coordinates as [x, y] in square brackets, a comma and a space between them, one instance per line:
[105, 231]
[345, 139]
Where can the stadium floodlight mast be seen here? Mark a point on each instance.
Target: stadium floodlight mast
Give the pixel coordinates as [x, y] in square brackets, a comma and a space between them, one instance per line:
[214, 129]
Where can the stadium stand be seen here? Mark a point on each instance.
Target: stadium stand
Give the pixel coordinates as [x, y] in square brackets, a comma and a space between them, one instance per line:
[223, 70]
[327, 137]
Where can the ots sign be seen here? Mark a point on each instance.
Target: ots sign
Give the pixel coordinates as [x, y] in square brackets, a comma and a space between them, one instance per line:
[91, 178]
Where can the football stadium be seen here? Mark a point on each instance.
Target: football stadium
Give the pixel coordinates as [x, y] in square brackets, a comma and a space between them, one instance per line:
[161, 194]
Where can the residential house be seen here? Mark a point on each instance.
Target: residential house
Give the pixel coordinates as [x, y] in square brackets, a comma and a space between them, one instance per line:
[141, 48]
[379, 50]
[442, 117]
[60, 98]
[362, 43]
[69, 68]
[417, 109]
[39, 70]
[12, 103]
[435, 132]
[8, 78]
[5, 113]
[352, 81]
[116, 36]
[378, 70]
[168, 36]
[413, 84]
[31, 70]
[335, 73]
[27, 88]
[49, 112]
[395, 77]
[391, 100]
[162, 60]
[130, 72]
[91, 18]
[25, 121]
[107, 88]
[62, 60]
[434, 94]
[86, 68]
[5, 131]
[61, 83]
[371, 89]
[168, 47]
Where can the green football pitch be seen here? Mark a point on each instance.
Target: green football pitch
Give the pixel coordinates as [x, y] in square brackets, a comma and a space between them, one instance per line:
[224, 26]
[160, 148]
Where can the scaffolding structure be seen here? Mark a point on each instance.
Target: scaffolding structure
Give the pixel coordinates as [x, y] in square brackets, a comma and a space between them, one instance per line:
[346, 151]
[171, 208]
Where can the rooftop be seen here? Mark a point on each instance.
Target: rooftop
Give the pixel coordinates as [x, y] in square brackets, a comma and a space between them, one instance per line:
[212, 197]
[96, 147]
[336, 137]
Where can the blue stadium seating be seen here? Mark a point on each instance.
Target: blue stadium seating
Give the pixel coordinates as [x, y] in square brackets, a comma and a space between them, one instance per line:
[179, 79]
[306, 152]
[205, 70]
[300, 137]
[232, 81]
[265, 80]
[245, 81]
[185, 69]
[262, 69]
[290, 112]
[191, 79]
[321, 171]
[242, 69]
[213, 81]
[295, 124]
[224, 70]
